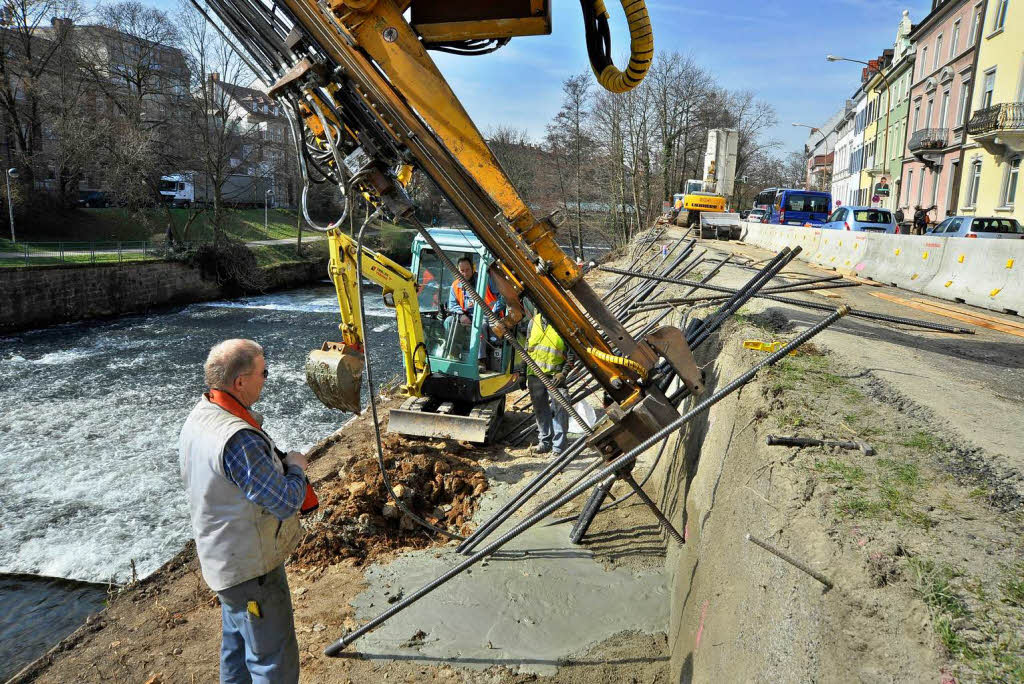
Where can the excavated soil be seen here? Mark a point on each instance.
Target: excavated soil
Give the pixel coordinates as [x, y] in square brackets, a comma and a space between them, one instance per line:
[357, 519]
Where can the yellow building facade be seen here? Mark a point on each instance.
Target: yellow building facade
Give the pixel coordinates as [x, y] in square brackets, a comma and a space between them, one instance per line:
[991, 183]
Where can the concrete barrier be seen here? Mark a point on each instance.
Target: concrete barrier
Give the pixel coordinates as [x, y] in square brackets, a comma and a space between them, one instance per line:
[984, 273]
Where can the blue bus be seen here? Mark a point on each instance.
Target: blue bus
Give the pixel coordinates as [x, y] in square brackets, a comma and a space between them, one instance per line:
[799, 207]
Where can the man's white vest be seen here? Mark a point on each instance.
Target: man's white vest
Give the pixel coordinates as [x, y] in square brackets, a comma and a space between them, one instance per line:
[236, 539]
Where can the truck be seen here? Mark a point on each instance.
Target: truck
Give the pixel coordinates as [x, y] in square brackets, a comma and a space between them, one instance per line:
[703, 201]
[195, 188]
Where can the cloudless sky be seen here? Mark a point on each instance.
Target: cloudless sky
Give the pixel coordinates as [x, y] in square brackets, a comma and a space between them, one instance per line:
[775, 48]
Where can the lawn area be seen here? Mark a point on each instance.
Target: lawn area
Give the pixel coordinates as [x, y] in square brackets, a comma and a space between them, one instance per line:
[103, 225]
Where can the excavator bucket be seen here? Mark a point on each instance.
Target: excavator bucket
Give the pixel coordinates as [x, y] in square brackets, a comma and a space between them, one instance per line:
[335, 372]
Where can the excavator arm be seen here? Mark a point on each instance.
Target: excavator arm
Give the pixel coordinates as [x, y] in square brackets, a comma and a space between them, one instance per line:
[336, 370]
[370, 99]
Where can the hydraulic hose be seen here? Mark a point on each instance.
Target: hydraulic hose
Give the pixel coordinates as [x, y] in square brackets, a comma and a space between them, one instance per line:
[599, 44]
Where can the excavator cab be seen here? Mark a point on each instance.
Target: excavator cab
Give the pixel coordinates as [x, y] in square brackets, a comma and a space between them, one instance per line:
[470, 368]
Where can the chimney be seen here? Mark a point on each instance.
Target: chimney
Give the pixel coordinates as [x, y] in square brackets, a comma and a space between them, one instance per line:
[214, 76]
[61, 24]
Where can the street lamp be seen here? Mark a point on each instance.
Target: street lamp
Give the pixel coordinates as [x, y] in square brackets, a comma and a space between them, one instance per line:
[11, 173]
[266, 199]
[888, 104]
[815, 129]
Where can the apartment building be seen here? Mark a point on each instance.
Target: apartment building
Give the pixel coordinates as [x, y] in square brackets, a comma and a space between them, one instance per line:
[995, 129]
[890, 89]
[849, 151]
[945, 42]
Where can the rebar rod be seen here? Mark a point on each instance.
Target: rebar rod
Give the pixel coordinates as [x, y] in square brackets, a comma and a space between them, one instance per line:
[623, 461]
[789, 559]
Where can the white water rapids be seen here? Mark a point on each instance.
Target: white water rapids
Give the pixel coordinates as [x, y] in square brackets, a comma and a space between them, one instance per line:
[91, 413]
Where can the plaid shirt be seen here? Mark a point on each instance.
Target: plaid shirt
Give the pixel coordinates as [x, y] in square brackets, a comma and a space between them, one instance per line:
[248, 463]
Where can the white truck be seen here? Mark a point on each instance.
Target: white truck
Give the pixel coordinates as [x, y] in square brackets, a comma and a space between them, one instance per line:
[192, 187]
[704, 201]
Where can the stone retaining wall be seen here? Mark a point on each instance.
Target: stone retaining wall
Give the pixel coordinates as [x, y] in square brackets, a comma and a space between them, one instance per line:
[37, 297]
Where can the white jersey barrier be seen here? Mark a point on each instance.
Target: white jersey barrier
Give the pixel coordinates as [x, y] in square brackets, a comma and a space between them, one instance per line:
[981, 272]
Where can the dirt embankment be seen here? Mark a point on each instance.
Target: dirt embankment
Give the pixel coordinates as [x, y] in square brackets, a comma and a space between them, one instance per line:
[926, 552]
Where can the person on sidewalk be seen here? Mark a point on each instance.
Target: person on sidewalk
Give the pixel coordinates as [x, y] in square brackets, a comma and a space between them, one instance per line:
[550, 351]
[244, 498]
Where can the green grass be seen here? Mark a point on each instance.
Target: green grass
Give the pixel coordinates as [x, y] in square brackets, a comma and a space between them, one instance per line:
[89, 225]
[932, 582]
[837, 470]
[923, 441]
[273, 255]
[1012, 586]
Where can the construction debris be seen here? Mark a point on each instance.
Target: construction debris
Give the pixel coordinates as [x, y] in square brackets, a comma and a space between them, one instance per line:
[863, 447]
[359, 520]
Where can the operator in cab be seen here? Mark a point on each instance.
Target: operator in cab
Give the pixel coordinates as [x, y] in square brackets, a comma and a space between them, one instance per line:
[462, 304]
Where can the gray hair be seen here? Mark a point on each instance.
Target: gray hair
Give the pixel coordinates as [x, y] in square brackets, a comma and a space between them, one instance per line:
[228, 360]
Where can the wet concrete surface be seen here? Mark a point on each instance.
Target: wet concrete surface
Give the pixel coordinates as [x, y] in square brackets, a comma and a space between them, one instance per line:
[536, 602]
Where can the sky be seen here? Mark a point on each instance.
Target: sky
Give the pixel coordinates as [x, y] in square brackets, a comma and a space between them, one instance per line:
[775, 48]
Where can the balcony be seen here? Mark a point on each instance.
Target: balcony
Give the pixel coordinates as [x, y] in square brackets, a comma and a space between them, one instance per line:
[999, 128]
[927, 144]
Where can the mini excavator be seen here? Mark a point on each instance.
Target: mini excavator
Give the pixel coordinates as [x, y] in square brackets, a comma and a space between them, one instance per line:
[368, 106]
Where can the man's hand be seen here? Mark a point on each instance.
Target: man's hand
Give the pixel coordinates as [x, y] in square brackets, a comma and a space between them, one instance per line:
[296, 459]
[558, 379]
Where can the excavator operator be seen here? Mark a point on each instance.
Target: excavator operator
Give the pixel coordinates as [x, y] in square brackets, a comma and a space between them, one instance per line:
[460, 304]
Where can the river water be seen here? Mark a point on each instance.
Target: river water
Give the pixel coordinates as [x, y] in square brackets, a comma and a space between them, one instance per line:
[88, 431]
[90, 416]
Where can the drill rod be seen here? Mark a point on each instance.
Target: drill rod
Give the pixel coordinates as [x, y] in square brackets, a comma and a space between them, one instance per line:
[623, 461]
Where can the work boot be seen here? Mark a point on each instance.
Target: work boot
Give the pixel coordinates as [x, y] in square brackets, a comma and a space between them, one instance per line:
[541, 449]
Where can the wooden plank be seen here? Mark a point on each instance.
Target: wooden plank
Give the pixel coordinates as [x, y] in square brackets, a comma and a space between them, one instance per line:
[968, 312]
[965, 318]
[825, 293]
[864, 281]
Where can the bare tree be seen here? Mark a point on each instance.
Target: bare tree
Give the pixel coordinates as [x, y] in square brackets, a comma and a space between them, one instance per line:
[514, 150]
[570, 142]
[220, 135]
[26, 58]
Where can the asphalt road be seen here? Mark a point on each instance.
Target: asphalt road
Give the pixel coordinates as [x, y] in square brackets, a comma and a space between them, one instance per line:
[973, 383]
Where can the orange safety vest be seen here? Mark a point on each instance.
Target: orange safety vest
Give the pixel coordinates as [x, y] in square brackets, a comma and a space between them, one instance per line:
[489, 297]
[228, 402]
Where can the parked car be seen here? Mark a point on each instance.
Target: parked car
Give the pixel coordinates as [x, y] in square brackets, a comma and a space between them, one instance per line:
[997, 227]
[743, 214]
[862, 219]
[93, 199]
[757, 215]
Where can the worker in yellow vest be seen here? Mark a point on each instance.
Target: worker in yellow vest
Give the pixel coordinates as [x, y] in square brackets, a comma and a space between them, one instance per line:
[551, 353]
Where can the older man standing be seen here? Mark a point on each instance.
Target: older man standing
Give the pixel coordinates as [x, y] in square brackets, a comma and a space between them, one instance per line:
[244, 497]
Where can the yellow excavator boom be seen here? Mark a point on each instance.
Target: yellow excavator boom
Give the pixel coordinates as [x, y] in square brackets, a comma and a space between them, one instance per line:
[335, 371]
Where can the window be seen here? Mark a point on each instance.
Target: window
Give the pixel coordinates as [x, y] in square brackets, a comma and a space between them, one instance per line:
[1010, 182]
[965, 109]
[975, 25]
[910, 182]
[988, 88]
[924, 61]
[255, 106]
[944, 109]
[938, 51]
[920, 188]
[928, 113]
[1000, 18]
[935, 188]
[951, 201]
[917, 117]
[955, 39]
[973, 181]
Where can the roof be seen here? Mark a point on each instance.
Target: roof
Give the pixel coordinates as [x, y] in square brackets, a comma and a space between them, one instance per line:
[246, 95]
[455, 239]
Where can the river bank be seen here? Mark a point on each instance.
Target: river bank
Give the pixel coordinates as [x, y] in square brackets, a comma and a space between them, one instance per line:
[36, 297]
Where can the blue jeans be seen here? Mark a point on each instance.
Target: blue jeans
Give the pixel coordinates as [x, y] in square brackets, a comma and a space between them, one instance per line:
[552, 419]
[260, 649]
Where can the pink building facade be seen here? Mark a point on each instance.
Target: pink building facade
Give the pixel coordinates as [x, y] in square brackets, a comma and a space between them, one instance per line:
[940, 95]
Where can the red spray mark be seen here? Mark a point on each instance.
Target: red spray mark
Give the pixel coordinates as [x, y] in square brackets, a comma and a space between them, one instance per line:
[700, 625]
